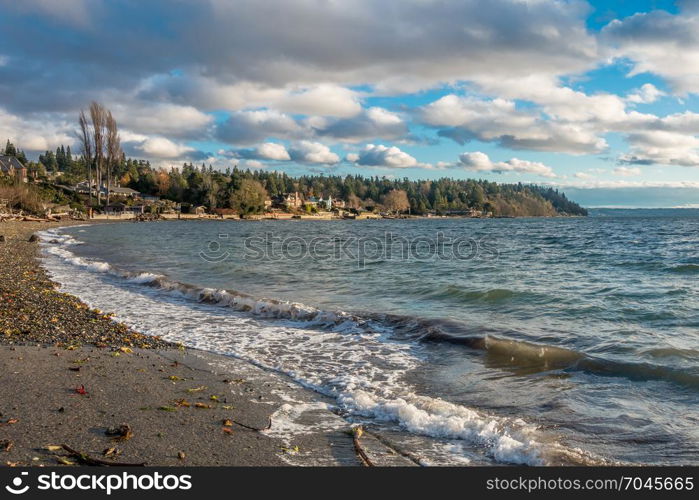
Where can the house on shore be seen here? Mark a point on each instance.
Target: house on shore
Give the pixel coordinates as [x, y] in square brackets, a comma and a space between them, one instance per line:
[120, 209]
[12, 167]
[126, 192]
[287, 201]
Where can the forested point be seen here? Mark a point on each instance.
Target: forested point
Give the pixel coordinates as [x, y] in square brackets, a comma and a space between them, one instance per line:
[203, 185]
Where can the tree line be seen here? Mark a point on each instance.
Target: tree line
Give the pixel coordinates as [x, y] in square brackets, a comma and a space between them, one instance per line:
[102, 163]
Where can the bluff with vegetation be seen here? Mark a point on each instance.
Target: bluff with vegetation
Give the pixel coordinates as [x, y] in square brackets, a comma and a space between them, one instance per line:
[243, 190]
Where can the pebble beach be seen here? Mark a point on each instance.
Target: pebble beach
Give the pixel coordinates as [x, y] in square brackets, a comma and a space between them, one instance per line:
[77, 388]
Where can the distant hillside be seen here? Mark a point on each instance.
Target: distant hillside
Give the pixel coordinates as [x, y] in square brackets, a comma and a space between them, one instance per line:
[205, 186]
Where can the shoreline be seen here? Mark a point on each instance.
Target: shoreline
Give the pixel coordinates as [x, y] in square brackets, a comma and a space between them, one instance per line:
[69, 374]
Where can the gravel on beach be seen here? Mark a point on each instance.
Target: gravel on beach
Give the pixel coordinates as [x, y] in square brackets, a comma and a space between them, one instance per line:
[32, 310]
[72, 376]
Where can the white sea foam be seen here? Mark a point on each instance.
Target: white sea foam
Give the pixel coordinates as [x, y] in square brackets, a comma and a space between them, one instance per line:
[363, 369]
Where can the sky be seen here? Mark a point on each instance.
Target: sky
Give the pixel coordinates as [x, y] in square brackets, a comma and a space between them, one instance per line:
[599, 98]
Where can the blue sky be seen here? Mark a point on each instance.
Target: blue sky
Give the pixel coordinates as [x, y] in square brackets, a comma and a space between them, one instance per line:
[598, 97]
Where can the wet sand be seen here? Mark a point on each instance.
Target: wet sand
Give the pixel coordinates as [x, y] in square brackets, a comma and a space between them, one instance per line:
[69, 375]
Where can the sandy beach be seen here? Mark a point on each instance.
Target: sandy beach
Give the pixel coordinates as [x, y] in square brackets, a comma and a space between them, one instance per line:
[78, 388]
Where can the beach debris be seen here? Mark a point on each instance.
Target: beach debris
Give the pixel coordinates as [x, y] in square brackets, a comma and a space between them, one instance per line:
[86, 459]
[227, 430]
[181, 455]
[175, 378]
[81, 390]
[6, 445]
[2, 238]
[197, 389]
[227, 422]
[64, 461]
[120, 432]
[183, 402]
[293, 450]
[111, 452]
[167, 408]
[357, 433]
[74, 368]
[256, 429]
[9, 421]
[53, 447]
[33, 238]
[213, 397]
[126, 350]
[202, 405]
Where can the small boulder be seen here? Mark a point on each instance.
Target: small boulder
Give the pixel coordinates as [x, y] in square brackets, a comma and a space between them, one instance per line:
[33, 238]
[2, 238]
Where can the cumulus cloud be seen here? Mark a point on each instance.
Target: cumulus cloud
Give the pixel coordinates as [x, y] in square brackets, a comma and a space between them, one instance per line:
[627, 171]
[307, 152]
[36, 134]
[312, 152]
[267, 151]
[466, 118]
[661, 43]
[327, 100]
[161, 118]
[480, 162]
[378, 155]
[160, 147]
[372, 123]
[662, 147]
[249, 127]
[648, 93]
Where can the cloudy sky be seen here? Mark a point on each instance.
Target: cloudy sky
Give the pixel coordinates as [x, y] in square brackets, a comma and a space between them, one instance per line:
[599, 97]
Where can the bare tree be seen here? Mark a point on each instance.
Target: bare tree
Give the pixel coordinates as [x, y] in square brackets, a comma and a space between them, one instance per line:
[101, 146]
[85, 138]
[98, 115]
[397, 201]
[113, 149]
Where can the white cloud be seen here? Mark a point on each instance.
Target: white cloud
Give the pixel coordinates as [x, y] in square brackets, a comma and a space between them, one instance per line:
[327, 100]
[161, 118]
[248, 127]
[480, 162]
[38, 134]
[662, 147]
[273, 151]
[312, 152]
[499, 120]
[648, 93]
[163, 148]
[371, 124]
[627, 171]
[661, 43]
[378, 155]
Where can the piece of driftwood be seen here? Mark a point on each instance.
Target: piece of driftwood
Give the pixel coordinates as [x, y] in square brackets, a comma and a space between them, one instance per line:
[269, 425]
[86, 459]
[356, 436]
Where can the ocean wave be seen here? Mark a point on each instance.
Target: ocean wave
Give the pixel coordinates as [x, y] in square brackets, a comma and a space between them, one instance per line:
[500, 351]
[685, 269]
[350, 374]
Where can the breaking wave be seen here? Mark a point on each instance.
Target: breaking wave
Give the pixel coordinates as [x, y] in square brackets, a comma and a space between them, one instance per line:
[503, 352]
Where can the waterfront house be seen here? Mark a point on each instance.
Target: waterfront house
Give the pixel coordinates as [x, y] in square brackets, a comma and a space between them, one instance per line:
[286, 201]
[12, 167]
[115, 209]
[126, 192]
[325, 204]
